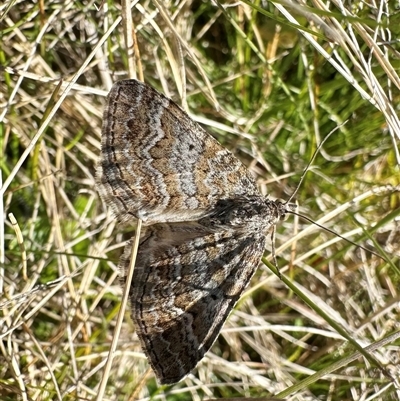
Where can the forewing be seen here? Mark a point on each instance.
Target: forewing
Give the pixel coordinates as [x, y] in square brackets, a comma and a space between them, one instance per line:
[159, 165]
[186, 281]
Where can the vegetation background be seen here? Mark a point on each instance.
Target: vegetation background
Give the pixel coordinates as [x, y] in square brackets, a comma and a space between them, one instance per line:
[270, 80]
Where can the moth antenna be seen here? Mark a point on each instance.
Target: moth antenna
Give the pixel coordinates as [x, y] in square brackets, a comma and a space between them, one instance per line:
[338, 235]
[311, 161]
[291, 210]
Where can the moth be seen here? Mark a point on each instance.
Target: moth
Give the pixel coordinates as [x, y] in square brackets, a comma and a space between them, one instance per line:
[205, 223]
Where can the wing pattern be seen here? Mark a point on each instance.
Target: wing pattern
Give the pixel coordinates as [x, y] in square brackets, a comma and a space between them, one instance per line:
[157, 164]
[205, 223]
[199, 280]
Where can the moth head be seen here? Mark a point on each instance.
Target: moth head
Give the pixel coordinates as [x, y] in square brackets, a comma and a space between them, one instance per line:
[283, 208]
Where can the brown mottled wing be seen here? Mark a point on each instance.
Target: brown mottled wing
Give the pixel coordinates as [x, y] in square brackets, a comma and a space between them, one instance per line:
[159, 165]
[185, 284]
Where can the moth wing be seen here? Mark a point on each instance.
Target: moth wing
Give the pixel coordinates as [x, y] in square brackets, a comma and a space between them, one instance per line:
[186, 282]
[158, 164]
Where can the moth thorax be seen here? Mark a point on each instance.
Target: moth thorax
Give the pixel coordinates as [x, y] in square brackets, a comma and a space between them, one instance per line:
[243, 212]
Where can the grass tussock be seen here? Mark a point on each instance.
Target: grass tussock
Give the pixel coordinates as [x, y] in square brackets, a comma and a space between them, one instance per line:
[270, 81]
